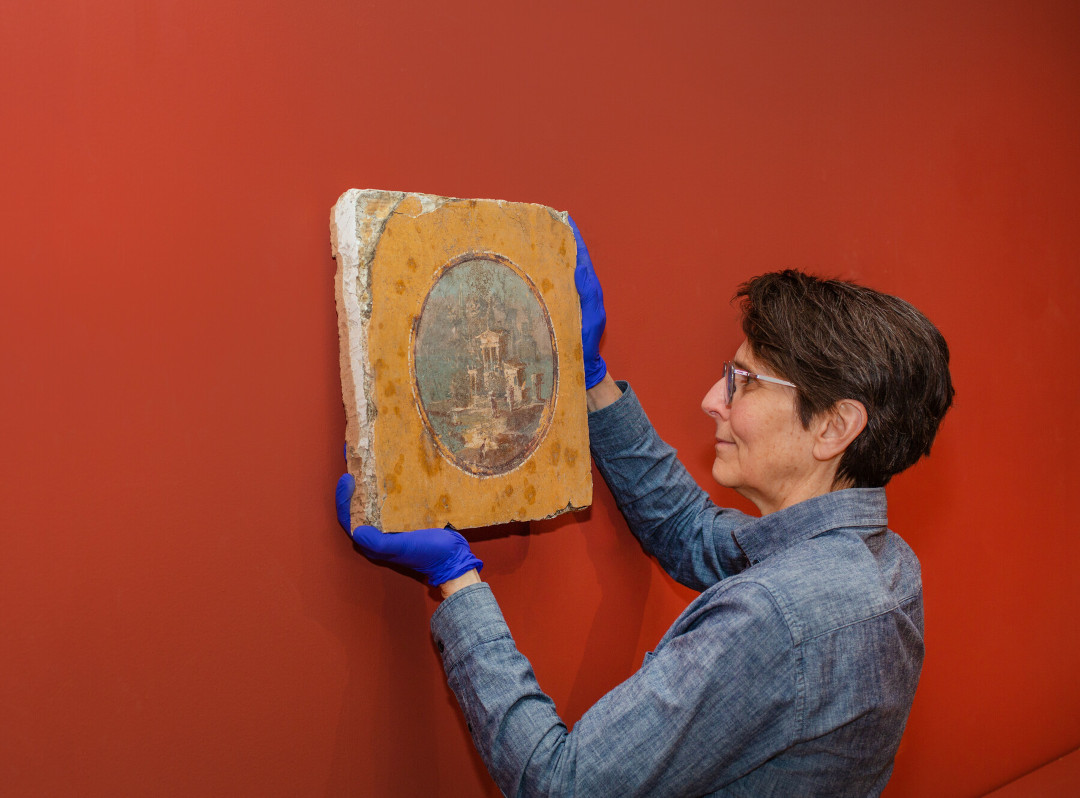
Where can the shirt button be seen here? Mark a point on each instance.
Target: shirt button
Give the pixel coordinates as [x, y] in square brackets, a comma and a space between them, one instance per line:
[470, 727]
[441, 646]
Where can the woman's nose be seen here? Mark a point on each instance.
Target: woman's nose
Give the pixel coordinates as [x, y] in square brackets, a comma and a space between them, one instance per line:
[714, 403]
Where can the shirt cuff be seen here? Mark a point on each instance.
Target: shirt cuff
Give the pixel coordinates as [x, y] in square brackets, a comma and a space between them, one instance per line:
[465, 620]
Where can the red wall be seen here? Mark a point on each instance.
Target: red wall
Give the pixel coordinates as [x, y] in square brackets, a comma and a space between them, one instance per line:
[180, 612]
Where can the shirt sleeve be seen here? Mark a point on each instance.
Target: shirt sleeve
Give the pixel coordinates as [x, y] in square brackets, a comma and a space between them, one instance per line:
[686, 723]
[670, 514]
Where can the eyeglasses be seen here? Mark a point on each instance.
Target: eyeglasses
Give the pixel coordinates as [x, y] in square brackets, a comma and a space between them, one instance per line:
[730, 374]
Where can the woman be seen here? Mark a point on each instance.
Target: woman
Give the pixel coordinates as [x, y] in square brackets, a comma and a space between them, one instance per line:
[793, 671]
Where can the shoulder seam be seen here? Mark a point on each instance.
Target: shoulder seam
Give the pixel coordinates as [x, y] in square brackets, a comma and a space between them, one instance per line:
[797, 655]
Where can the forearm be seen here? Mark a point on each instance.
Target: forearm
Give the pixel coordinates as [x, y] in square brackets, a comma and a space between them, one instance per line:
[509, 716]
[676, 521]
[602, 394]
[454, 585]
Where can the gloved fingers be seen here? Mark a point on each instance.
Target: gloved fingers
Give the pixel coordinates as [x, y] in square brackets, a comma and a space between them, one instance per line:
[343, 494]
[583, 251]
[585, 279]
[380, 546]
[593, 316]
[438, 554]
[584, 276]
[577, 236]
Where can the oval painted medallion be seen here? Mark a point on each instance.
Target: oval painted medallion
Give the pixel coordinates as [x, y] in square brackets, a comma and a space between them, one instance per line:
[484, 364]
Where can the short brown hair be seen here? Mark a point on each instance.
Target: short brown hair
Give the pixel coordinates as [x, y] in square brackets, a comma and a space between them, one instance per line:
[838, 340]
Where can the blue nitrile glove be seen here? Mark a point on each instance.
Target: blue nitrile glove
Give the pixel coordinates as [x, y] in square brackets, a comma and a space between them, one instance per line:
[593, 317]
[439, 554]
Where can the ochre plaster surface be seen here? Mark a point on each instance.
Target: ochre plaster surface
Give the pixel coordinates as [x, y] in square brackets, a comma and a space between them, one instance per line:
[391, 248]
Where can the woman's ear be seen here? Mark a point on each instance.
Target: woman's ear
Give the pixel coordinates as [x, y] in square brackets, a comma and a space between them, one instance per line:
[838, 427]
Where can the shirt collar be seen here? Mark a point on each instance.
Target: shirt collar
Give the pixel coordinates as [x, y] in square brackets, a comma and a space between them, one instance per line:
[853, 507]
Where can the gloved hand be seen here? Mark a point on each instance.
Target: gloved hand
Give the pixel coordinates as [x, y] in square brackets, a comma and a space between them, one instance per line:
[439, 554]
[593, 317]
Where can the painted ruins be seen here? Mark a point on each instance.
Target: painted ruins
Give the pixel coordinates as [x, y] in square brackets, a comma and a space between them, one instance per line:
[484, 364]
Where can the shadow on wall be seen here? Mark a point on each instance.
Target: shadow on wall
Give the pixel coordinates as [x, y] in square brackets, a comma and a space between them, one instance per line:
[623, 572]
[386, 672]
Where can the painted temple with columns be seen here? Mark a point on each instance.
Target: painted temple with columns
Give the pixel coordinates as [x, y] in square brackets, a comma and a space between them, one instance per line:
[499, 374]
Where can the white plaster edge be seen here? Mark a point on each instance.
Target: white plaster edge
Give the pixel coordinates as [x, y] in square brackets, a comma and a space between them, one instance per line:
[356, 235]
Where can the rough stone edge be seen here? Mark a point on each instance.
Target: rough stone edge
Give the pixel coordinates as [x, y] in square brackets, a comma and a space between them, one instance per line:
[356, 224]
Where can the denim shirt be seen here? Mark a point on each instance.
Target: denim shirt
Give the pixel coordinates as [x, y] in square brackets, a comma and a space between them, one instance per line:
[791, 674]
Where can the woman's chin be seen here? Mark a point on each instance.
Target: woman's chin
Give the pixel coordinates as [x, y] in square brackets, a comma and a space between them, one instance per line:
[722, 475]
